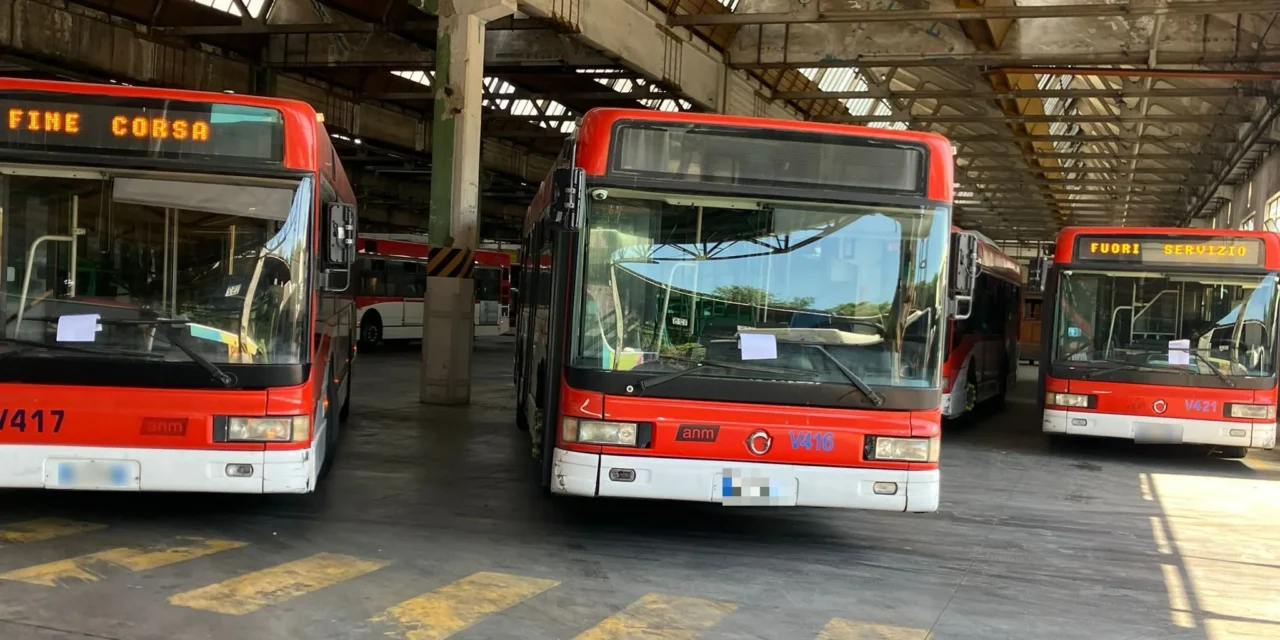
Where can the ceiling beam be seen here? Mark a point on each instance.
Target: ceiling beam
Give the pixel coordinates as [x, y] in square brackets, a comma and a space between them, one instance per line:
[1206, 118]
[989, 94]
[1085, 155]
[1120, 10]
[1187, 74]
[1020, 61]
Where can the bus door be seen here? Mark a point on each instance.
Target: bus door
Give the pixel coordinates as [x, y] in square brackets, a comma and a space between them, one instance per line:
[413, 282]
[487, 291]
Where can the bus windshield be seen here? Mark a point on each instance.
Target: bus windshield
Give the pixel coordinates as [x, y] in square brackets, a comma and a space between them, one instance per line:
[1173, 323]
[669, 281]
[219, 264]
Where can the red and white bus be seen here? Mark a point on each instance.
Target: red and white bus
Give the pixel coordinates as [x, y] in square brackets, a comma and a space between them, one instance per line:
[1163, 335]
[982, 349]
[391, 277]
[737, 310]
[177, 312]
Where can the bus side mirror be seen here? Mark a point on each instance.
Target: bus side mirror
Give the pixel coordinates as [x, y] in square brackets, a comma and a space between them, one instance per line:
[567, 192]
[964, 274]
[340, 247]
[341, 222]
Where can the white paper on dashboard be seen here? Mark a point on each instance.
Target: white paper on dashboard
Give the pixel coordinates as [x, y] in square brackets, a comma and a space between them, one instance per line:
[81, 328]
[1178, 352]
[758, 346]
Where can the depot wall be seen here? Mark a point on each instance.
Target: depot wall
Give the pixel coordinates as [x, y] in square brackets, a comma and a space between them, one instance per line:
[1256, 200]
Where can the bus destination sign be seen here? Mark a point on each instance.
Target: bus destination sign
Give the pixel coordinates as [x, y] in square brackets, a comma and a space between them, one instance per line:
[1199, 251]
[144, 128]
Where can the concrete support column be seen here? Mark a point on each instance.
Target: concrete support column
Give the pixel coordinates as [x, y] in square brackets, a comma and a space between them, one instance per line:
[448, 321]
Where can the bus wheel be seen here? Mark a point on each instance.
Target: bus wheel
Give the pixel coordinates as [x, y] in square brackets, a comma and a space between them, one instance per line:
[1233, 453]
[371, 330]
[330, 438]
[997, 402]
[522, 420]
[346, 402]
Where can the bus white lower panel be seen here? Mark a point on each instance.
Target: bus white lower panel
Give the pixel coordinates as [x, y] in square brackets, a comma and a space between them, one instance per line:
[586, 474]
[126, 469]
[1153, 429]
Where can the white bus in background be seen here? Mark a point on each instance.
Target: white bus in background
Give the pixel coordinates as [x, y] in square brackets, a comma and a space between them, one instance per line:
[391, 279]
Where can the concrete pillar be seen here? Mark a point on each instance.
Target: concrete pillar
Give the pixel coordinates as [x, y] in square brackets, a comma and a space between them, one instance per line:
[448, 314]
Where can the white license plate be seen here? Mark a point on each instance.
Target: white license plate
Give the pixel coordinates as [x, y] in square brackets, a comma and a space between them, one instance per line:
[1152, 433]
[751, 488]
[119, 475]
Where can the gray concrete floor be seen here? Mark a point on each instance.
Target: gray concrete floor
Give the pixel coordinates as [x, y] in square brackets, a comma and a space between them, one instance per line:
[425, 505]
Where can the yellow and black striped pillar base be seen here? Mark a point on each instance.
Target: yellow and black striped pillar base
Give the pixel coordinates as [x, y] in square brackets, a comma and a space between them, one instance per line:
[450, 262]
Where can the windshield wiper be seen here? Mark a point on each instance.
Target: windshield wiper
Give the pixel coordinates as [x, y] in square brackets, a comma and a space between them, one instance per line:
[165, 326]
[876, 398]
[1212, 367]
[27, 345]
[699, 364]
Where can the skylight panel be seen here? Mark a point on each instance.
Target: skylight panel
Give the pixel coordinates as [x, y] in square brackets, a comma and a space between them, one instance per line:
[851, 79]
[229, 6]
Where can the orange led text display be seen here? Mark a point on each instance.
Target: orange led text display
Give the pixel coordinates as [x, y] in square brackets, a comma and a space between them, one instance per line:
[72, 123]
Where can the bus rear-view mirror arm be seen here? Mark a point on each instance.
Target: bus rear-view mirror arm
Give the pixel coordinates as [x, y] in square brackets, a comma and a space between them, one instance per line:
[340, 247]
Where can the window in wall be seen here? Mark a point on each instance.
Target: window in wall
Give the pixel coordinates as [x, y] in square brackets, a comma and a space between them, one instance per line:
[1271, 215]
[1247, 223]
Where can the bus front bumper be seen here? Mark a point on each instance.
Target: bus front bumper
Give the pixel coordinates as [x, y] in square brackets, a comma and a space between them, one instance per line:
[137, 469]
[596, 475]
[1162, 430]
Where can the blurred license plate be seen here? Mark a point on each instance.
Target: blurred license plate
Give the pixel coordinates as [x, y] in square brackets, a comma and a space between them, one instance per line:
[122, 475]
[1157, 433]
[751, 488]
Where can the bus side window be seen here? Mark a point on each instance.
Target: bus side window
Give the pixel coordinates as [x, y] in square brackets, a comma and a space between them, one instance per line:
[374, 278]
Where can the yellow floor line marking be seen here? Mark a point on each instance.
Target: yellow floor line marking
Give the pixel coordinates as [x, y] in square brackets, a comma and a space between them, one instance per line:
[454, 607]
[259, 589]
[659, 617]
[90, 568]
[1179, 607]
[842, 629]
[1157, 534]
[44, 529]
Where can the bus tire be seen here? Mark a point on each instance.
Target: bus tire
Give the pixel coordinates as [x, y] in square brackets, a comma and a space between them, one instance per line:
[330, 439]
[522, 420]
[345, 412]
[997, 403]
[1233, 453]
[371, 329]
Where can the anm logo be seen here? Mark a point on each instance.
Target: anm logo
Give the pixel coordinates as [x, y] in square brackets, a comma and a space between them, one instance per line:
[697, 433]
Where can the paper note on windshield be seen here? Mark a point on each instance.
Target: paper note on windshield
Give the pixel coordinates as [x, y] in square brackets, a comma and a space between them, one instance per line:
[758, 346]
[83, 328]
[1178, 352]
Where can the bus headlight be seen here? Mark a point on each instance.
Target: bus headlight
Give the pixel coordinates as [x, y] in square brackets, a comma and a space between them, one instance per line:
[902, 449]
[1076, 400]
[1251, 411]
[623, 434]
[265, 429]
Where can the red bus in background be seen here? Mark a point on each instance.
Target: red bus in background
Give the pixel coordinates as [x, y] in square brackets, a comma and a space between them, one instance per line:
[737, 310]
[981, 362]
[178, 313]
[1163, 335]
[391, 277]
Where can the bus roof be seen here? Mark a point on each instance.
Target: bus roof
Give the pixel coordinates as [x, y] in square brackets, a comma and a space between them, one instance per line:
[597, 127]
[301, 124]
[1064, 249]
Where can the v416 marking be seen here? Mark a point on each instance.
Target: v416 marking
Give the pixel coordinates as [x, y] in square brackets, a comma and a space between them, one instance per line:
[824, 441]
